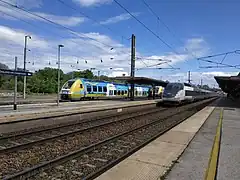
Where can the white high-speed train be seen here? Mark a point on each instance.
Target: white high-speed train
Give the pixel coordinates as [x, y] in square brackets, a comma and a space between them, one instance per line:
[183, 92]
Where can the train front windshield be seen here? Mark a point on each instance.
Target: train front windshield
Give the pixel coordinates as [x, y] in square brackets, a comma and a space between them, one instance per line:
[172, 89]
[68, 84]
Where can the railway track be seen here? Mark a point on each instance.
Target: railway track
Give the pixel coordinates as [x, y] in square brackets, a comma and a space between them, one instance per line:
[20, 140]
[23, 154]
[90, 159]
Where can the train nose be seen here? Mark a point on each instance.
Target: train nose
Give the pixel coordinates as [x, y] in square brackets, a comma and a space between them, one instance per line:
[167, 94]
[65, 94]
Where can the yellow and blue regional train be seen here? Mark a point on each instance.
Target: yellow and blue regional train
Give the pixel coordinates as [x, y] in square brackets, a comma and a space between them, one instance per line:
[80, 88]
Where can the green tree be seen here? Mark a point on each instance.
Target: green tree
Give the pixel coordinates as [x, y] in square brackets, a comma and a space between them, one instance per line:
[3, 78]
[43, 81]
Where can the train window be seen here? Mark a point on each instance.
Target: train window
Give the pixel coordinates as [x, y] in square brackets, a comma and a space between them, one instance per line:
[111, 92]
[136, 93]
[126, 92]
[122, 92]
[95, 88]
[104, 89]
[119, 92]
[81, 86]
[115, 92]
[68, 85]
[89, 88]
[176, 86]
[100, 88]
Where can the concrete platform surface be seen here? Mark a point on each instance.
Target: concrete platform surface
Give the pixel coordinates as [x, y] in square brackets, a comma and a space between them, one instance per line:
[155, 159]
[194, 162]
[30, 99]
[28, 111]
[229, 158]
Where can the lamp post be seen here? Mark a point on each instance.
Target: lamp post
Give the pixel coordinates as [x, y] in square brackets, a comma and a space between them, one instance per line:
[59, 47]
[99, 75]
[24, 65]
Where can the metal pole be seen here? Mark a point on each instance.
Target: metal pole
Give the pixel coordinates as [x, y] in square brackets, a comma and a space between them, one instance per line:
[98, 75]
[153, 93]
[133, 52]
[15, 87]
[189, 77]
[24, 67]
[58, 89]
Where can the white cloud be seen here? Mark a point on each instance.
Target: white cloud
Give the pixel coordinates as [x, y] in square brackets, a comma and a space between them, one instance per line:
[219, 73]
[88, 3]
[196, 47]
[78, 50]
[118, 69]
[63, 20]
[196, 77]
[10, 36]
[116, 19]
[118, 73]
[75, 49]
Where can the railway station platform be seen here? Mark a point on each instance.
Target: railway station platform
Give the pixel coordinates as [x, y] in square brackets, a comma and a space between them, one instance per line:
[205, 146]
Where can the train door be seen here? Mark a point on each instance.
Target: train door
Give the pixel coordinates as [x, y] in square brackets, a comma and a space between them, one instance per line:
[188, 93]
[111, 90]
[140, 91]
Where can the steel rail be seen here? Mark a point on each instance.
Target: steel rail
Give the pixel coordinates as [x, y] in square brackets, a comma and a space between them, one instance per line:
[46, 165]
[127, 154]
[32, 143]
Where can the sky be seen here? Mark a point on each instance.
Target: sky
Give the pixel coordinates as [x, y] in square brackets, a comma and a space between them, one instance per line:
[97, 34]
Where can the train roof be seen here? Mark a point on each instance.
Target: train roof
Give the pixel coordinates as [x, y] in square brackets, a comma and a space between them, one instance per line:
[114, 83]
[191, 85]
[184, 84]
[142, 80]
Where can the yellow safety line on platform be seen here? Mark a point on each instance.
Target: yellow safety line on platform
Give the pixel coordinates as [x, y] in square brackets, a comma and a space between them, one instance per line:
[211, 171]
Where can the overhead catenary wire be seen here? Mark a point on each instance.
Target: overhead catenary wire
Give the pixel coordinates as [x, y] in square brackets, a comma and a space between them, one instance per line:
[72, 31]
[81, 35]
[69, 29]
[220, 63]
[146, 27]
[165, 25]
[208, 67]
[36, 26]
[91, 18]
[162, 61]
[220, 54]
[213, 62]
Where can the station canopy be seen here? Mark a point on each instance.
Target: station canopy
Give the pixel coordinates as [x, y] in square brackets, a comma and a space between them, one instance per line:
[142, 80]
[227, 84]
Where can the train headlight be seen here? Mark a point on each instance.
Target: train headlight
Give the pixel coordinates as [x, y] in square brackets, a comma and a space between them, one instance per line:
[65, 92]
